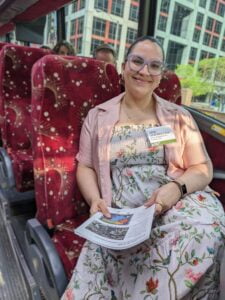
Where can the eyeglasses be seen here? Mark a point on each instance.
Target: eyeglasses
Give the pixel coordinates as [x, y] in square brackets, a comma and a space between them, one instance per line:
[136, 63]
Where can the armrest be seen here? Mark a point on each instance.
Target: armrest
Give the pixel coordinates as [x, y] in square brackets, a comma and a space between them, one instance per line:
[6, 171]
[44, 260]
[218, 174]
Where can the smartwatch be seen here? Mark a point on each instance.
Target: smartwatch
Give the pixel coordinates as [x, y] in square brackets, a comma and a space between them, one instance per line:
[182, 188]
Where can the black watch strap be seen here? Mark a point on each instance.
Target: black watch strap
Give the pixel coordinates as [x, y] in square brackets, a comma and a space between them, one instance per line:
[182, 188]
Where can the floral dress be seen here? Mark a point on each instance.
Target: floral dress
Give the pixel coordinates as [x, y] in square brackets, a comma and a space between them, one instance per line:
[180, 260]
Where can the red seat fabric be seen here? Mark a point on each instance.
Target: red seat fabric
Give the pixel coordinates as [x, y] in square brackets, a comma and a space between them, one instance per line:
[64, 89]
[15, 94]
[170, 87]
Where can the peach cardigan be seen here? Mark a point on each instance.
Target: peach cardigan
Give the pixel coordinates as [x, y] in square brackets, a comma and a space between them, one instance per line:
[96, 134]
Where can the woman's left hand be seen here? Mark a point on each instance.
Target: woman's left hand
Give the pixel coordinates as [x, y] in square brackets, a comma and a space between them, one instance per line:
[164, 197]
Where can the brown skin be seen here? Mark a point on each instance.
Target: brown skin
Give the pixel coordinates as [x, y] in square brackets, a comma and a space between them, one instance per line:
[63, 50]
[138, 107]
[106, 56]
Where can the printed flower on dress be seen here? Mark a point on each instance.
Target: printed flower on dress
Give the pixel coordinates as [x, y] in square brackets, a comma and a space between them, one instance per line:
[192, 278]
[69, 295]
[151, 286]
[152, 149]
[120, 153]
[201, 198]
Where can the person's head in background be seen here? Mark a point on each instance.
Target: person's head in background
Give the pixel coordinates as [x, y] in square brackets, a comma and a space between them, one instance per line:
[105, 53]
[45, 47]
[64, 48]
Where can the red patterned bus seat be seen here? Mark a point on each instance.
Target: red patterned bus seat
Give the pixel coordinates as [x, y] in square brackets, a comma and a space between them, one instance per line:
[64, 89]
[15, 100]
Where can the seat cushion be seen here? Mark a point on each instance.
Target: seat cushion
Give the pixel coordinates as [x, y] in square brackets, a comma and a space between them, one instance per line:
[22, 162]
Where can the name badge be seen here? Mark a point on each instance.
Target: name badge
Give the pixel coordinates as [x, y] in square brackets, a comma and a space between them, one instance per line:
[160, 135]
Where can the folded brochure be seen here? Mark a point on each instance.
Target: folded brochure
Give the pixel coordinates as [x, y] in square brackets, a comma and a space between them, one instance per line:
[125, 228]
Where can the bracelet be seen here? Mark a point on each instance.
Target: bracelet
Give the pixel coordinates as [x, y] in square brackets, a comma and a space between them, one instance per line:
[182, 188]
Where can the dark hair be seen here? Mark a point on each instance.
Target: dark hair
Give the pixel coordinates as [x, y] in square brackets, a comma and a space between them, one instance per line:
[144, 38]
[104, 47]
[45, 47]
[71, 50]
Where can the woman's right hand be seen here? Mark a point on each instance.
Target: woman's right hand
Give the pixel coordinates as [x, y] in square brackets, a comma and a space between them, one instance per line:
[99, 204]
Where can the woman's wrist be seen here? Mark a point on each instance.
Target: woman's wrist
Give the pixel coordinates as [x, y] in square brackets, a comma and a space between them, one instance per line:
[182, 188]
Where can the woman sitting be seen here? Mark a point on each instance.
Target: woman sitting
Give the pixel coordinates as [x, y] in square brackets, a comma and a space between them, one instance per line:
[120, 166]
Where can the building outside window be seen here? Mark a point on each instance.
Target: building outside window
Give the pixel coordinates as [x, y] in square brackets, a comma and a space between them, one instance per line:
[196, 35]
[79, 45]
[174, 54]
[101, 5]
[199, 19]
[165, 6]
[98, 27]
[72, 27]
[180, 20]
[206, 39]
[131, 35]
[133, 13]
[209, 24]
[211, 55]
[218, 27]
[66, 9]
[117, 7]
[162, 23]
[212, 6]
[115, 31]
[80, 24]
[223, 46]
[75, 6]
[82, 4]
[221, 9]
[215, 42]
[203, 54]
[160, 39]
[94, 44]
[193, 53]
[202, 3]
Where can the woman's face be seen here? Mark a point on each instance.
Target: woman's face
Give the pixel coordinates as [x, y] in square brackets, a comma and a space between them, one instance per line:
[63, 50]
[141, 82]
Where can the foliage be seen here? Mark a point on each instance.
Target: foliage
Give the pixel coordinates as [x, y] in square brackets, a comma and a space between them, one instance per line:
[195, 79]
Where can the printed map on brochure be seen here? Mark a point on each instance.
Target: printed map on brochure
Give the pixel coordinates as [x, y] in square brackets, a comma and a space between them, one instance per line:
[124, 229]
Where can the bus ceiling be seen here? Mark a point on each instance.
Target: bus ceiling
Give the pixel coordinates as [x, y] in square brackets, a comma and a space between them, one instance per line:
[19, 11]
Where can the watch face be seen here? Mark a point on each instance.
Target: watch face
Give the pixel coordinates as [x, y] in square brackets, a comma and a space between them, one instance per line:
[184, 189]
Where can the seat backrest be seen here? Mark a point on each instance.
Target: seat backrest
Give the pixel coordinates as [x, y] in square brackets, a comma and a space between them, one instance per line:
[15, 94]
[170, 87]
[64, 89]
[15, 98]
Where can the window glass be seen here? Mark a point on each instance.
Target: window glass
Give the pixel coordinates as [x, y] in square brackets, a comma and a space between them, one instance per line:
[115, 31]
[131, 35]
[99, 26]
[162, 23]
[193, 54]
[117, 7]
[199, 19]
[101, 4]
[202, 3]
[165, 5]
[133, 13]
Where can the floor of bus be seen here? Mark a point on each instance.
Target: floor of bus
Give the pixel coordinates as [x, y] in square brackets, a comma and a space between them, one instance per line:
[12, 282]
[16, 282]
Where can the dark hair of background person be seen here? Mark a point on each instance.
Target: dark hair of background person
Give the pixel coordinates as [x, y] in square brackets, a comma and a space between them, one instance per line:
[144, 38]
[104, 47]
[71, 50]
[45, 47]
